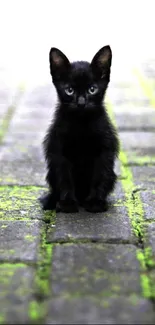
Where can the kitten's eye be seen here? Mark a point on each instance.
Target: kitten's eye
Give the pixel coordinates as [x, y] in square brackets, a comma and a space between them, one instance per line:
[69, 91]
[92, 90]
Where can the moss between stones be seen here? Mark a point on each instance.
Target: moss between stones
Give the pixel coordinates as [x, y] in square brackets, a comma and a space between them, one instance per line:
[136, 213]
[2, 319]
[13, 200]
[150, 263]
[147, 264]
[38, 308]
[140, 161]
[36, 311]
[133, 201]
[11, 266]
[141, 259]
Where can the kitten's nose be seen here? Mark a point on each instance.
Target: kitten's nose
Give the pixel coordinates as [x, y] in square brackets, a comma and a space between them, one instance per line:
[81, 101]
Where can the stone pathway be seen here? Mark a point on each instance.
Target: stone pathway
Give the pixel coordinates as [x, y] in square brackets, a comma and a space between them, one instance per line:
[83, 268]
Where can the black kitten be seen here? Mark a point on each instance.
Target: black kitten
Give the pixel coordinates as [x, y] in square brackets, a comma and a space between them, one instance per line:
[81, 144]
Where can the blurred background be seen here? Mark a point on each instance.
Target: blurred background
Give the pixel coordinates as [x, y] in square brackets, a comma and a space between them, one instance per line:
[29, 28]
[79, 28]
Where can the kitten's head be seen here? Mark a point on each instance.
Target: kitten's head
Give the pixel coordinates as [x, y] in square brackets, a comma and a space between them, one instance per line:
[81, 85]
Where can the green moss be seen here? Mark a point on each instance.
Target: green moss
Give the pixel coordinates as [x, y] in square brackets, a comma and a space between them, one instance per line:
[7, 271]
[145, 283]
[44, 267]
[134, 299]
[2, 319]
[140, 160]
[20, 202]
[147, 263]
[29, 238]
[141, 259]
[49, 217]
[149, 260]
[116, 288]
[146, 86]
[83, 270]
[37, 311]
[11, 266]
[136, 213]
[133, 200]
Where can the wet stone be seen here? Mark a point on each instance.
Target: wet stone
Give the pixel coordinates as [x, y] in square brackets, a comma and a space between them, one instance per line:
[20, 240]
[22, 166]
[141, 157]
[115, 310]
[95, 270]
[144, 177]
[148, 199]
[150, 237]
[111, 226]
[134, 119]
[138, 140]
[40, 97]
[128, 96]
[15, 293]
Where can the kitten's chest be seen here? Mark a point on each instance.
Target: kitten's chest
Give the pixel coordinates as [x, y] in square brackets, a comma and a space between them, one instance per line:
[81, 143]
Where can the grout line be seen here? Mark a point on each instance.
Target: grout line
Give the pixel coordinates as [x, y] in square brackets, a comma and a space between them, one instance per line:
[136, 214]
[38, 308]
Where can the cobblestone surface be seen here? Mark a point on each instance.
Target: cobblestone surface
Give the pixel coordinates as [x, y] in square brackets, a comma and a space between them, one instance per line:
[77, 268]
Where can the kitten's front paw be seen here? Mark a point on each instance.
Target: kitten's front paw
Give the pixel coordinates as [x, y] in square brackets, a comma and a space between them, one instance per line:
[68, 206]
[93, 204]
[48, 201]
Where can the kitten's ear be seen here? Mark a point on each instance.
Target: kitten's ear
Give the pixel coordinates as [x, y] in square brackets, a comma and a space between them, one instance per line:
[101, 62]
[59, 64]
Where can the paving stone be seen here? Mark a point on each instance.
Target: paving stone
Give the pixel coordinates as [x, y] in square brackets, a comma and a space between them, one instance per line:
[29, 124]
[138, 140]
[41, 96]
[148, 199]
[150, 237]
[20, 240]
[24, 139]
[141, 157]
[18, 203]
[21, 165]
[94, 270]
[111, 226]
[120, 310]
[127, 96]
[22, 160]
[144, 177]
[15, 293]
[137, 119]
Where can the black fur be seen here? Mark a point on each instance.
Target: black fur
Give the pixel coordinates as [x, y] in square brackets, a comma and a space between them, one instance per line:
[81, 144]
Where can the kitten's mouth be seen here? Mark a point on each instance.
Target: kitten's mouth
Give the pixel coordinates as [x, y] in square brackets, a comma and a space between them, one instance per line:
[81, 106]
